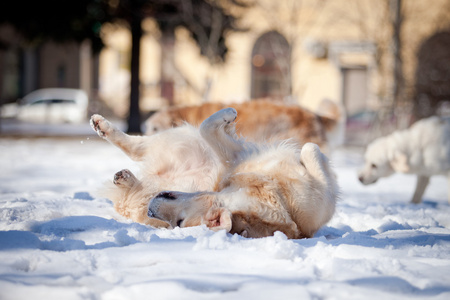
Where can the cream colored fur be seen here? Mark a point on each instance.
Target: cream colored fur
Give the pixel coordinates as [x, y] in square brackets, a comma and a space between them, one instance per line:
[423, 149]
[245, 188]
[177, 158]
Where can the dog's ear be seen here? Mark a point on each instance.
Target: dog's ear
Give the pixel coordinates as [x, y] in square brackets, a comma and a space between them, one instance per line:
[218, 218]
[400, 162]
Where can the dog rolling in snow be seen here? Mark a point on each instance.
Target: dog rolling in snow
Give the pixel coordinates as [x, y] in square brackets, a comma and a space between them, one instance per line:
[210, 176]
[423, 149]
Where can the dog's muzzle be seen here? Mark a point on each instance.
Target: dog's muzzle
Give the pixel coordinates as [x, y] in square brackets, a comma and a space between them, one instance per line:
[152, 209]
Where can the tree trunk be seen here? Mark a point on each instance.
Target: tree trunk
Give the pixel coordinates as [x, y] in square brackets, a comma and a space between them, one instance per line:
[398, 78]
[134, 117]
[167, 43]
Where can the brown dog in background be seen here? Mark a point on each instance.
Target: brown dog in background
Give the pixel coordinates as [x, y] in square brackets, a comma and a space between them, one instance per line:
[263, 120]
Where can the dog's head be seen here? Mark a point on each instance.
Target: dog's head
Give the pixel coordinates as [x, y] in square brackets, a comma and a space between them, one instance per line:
[205, 208]
[382, 159]
[190, 209]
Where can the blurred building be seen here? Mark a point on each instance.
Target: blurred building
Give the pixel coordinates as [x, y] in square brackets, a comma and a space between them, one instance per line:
[294, 51]
[297, 51]
[25, 68]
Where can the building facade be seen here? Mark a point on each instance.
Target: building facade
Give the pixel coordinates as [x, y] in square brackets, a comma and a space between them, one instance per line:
[295, 51]
[25, 68]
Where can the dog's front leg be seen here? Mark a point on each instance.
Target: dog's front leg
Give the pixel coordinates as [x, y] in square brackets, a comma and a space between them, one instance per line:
[125, 179]
[133, 146]
[219, 131]
[422, 182]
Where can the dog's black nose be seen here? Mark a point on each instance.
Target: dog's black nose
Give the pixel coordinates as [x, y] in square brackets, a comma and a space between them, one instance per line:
[167, 195]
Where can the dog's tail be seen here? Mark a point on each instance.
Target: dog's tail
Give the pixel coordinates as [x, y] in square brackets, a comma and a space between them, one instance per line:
[333, 118]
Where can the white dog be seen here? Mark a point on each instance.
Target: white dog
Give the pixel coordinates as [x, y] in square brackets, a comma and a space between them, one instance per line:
[423, 149]
[223, 181]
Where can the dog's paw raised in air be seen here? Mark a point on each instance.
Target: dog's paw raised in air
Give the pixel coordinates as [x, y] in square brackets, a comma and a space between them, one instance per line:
[124, 178]
[100, 125]
[222, 117]
[228, 115]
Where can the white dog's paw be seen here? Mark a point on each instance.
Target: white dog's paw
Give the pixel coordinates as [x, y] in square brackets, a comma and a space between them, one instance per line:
[124, 178]
[228, 115]
[100, 125]
[311, 157]
[310, 149]
[222, 117]
[318, 165]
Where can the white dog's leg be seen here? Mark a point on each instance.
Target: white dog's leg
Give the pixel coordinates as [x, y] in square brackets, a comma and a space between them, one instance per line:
[125, 179]
[133, 146]
[422, 182]
[316, 163]
[219, 131]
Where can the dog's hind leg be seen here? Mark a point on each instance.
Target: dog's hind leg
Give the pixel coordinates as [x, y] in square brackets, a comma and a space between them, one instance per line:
[422, 182]
[316, 163]
[133, 146]
[219, 131]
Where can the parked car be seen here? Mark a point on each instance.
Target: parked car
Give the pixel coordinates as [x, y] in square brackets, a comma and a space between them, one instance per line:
[51, 105]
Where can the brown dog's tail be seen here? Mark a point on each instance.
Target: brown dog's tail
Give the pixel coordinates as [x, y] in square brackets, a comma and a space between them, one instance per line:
[333, 118]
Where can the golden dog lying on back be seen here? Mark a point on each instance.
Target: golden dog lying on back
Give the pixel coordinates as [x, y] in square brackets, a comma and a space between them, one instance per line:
[210, 176]
[262, 121]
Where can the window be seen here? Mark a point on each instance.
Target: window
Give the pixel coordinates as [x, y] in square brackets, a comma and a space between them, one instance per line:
[271, 67]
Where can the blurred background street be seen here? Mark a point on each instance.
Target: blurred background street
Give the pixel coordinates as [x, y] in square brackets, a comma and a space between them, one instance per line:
[386, 63]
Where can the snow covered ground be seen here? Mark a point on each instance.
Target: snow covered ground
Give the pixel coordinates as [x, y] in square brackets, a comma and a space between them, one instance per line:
[59, 241]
